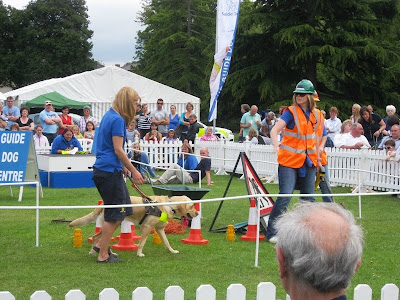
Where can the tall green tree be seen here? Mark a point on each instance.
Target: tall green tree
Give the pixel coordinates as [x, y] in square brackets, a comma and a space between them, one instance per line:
[343, 46]
[6, 41]
[52, 39]
[177, 45]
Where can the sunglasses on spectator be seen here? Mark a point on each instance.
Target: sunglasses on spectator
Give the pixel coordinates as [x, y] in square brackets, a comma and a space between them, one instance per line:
[388, 147]
[300, 95]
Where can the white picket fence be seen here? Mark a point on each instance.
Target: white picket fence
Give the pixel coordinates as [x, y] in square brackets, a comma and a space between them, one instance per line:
[265, 291]
[347, 167]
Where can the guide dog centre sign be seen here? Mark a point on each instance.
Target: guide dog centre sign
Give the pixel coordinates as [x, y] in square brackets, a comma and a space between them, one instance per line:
[15, 147]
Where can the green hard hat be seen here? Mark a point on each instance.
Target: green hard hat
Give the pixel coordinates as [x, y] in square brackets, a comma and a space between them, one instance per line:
[304, 87]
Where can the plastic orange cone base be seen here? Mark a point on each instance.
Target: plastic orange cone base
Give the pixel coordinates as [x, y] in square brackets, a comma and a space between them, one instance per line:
[251, 234]
[135, 237]
[97, 230]
[195, 238]
[125, 243]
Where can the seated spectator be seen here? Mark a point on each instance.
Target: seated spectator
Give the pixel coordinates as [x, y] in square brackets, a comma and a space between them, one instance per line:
[373, 126]
[24, 122]
[182, 175]
[131, 133]
[354, 139]
[333, 125]
[76, 132]
[254, 138]
[65, 142]
[394, 135]
[153, 135]
[187, 160]
[141, 156]
[90, 130]
[390, 111]
[193, 128]
[319, 249]
[39, 139]
[390, 149]
[267, 124]
[171, 137]
[208, 135]
[14, 127]
[345, 128]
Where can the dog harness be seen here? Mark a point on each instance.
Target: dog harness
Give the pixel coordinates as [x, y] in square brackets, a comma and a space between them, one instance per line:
[150, 210]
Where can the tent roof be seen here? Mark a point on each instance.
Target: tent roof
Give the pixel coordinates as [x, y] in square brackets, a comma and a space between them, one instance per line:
[2, 97]
[101, 85]
[57, 100]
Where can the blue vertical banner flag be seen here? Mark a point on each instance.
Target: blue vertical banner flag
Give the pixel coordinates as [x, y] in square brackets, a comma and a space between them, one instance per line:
[227, 20]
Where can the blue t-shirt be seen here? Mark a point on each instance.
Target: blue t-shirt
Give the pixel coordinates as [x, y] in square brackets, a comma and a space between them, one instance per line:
[60, 143]
[173, 122]
[289, 119]
[190, 162]
[48, 128]
[112, 124]
[13, 111]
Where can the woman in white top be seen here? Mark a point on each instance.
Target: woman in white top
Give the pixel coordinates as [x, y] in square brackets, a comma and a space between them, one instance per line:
[40, 140]
[339, 138]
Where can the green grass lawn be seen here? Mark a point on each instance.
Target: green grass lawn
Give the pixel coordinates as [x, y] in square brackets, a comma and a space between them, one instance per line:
[57, 267]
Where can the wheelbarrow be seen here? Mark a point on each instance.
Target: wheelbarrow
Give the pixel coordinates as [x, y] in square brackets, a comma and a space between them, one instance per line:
[179, 190]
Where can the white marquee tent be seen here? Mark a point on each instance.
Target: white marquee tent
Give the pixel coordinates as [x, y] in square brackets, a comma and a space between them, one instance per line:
[99, 87]
[2, 97]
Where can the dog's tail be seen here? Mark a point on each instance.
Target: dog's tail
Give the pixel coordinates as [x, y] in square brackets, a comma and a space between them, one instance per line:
[88, 219]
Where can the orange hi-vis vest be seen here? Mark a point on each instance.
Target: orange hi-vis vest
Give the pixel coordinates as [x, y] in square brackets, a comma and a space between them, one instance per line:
[319, 136]
[300, 141]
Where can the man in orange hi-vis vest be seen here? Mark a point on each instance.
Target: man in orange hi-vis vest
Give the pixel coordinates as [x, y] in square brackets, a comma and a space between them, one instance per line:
[302, 129]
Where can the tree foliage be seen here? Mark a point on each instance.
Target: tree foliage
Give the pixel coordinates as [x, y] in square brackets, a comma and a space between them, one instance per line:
[348, 48]
[51, 38]
[177, 45]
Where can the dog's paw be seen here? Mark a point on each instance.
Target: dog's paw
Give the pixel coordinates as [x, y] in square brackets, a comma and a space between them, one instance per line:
[140, 254]
[174, 251]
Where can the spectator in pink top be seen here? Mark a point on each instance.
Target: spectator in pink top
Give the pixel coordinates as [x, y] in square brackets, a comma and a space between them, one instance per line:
[209, 136]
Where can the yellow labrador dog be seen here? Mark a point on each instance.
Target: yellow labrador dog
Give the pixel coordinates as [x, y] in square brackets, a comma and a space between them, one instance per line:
[150, 222]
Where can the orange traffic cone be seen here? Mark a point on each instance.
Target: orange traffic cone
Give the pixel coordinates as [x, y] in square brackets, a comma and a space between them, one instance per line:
[98, 225]
[195, 237]
[251, 234]
[125, 242]
[135, 237]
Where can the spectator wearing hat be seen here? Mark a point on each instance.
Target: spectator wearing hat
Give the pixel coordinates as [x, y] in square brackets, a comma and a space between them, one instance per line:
[49, 121]
[66, 120]
[11, 112]
[85, 118]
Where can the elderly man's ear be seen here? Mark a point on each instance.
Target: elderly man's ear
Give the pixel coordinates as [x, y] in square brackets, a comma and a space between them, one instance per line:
[282, 264]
